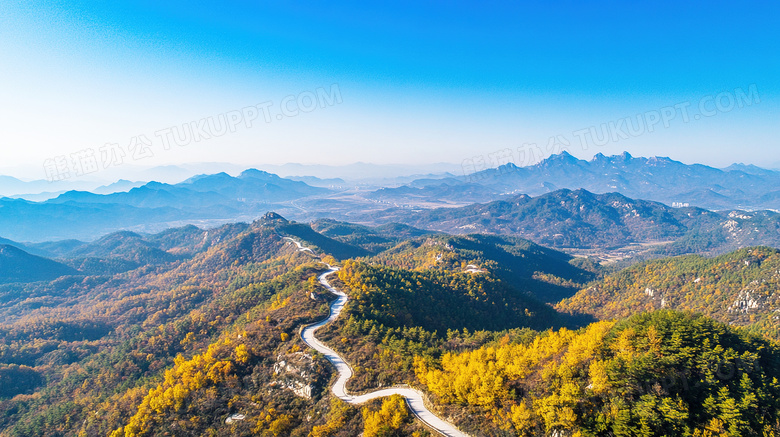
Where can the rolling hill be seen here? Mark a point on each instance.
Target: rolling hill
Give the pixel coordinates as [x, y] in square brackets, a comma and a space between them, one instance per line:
[373, 239]
[546, 274]
[17, 265]
[739, 288]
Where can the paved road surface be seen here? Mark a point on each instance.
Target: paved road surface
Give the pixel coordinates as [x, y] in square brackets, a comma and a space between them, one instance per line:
[413, 397]
[301, 247]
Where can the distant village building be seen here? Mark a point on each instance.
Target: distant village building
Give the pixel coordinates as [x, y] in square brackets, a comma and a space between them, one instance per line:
[680, 204]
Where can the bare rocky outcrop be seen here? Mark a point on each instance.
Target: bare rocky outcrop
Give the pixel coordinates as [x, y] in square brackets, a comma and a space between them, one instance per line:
[295, 372]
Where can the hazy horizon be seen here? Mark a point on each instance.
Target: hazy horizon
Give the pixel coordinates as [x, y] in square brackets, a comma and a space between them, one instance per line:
[151, 84]
[352, 170]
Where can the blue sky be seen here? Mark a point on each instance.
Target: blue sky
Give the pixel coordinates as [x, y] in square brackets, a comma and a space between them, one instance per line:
[418, 82]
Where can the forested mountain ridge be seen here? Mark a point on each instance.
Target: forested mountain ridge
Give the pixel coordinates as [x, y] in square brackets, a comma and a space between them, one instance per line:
[119, 334]
[739, 288]
[104, 341]
[547, 274]
[124, 250]
[373, 239]
[394, 314]
[662, 373]
[17, 265]
[206, 342]
[579, 219]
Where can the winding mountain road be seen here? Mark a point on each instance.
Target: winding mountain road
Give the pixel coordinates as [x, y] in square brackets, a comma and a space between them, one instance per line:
[301, 247]
[413, 397]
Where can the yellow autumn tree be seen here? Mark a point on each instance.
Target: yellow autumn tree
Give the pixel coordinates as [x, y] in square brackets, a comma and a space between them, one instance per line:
[389, 418]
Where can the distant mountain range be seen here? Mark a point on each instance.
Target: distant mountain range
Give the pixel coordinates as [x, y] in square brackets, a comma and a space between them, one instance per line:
[365, 174]
[216, 199]
[210, 200]
[11, 186]
[661, 179]
[564, 219]
[251, 186]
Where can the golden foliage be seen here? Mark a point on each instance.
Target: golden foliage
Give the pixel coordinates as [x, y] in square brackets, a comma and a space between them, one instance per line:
[389, 418]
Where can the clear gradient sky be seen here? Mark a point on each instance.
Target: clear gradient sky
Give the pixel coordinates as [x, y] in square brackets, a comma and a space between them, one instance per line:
[419, 82]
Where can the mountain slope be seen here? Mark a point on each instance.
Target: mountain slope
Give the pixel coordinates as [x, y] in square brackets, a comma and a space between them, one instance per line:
[580, 219]
[565, 218]
[658, 374]
[125, 245]
[310, 236]
[373, 239]
[546, 274]
[739, 288]
[17, 265]
[189, 240]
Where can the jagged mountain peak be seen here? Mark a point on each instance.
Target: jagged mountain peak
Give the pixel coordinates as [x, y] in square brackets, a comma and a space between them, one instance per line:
[564, 155]
[657, 178]
[272, 217]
